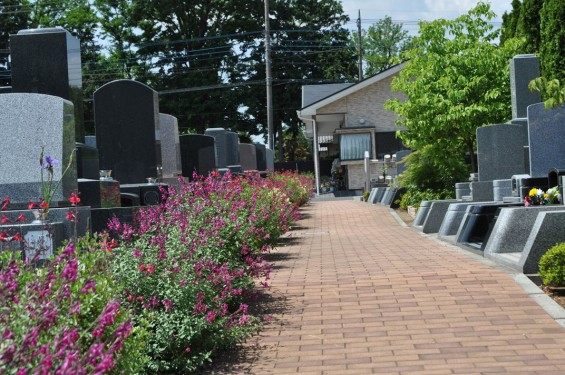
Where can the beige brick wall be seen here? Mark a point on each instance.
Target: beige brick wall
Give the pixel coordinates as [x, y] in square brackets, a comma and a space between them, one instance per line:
[367, 104]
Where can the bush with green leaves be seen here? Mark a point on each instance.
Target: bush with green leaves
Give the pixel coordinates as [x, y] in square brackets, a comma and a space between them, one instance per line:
[66, 318]
[191, 263]
[552, 266]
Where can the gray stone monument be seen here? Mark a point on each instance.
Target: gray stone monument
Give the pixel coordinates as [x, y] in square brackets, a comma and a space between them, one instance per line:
[500, 151]
[126, 113]
[232, 148]
[248, 156]
[47, 61]
[220, 145]
[547, 139]
[29, 122]
[400, 163]
[523, 69]
[270, 159]
[170, 146]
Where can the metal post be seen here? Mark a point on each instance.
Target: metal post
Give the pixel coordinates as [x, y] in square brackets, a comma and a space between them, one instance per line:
[316, 157]
[367, 176]
[360, 47]
[269, 80]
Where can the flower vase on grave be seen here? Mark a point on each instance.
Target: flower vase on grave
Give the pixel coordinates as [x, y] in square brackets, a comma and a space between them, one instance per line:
[40, 216]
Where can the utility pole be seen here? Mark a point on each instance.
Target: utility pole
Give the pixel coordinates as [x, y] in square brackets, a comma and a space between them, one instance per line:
[360, 47]
[269, 80]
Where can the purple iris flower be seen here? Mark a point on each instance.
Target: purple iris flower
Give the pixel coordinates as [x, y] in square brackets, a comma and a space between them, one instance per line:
[49, 162]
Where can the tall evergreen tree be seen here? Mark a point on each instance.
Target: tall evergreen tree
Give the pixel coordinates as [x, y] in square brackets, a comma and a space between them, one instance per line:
[552, 50]
[529, 24]
[510, 22]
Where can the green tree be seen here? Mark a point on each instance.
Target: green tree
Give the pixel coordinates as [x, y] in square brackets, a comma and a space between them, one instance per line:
[309, 46]
[529, 24]
[383, 45]
[552, 50]
[14, 16]
[455, 81]
[510, 22]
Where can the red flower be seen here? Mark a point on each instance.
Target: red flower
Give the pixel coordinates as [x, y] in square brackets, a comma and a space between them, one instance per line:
[17, 237]
[21, 218]
[5, 203]
[4, 219]
[3, 237]
[71, 216]
[74, 199]
[31, 205]
[43, 204]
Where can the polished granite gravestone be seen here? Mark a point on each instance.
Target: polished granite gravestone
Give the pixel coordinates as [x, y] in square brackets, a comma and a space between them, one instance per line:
[453, 218]
[269, 159]
[547, 134]
[462, 189]
[529, 240]
[523, 69]
[220, 145]
[501, 189]
[232, 148]
[372, 195]
[28, 122]
[481, 191]
[500, 151]
[87, 161]
[170, 146]
[47, 61]
[512, 228]
[198, 154]
[421, 214]
[248, 156]
[400, 161]
[435, 216]
[126, 114]
[261, 156]
[58, 215]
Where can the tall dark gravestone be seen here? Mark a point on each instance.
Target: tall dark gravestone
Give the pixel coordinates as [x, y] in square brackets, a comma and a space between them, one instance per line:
[500, 151]
[126, 114]
[232, 148]
[546, 134]
[523, 69]
[197, 153]
[221, 145]
[47, 61]
[261, 156]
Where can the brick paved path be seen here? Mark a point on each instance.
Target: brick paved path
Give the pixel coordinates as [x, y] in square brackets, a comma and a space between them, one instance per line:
[355, 292]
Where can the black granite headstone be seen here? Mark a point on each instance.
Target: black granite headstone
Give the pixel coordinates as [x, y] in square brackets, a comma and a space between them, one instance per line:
[232, 148]
[47, 61]
[87, 161]
[126, 114]
[261, 157]
[197, 154]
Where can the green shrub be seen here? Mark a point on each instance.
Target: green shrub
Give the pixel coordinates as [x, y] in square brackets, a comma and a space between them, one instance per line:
[552, 266]
[414, 197]
[366, 196]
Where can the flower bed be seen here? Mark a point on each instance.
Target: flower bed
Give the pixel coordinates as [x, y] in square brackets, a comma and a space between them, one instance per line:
[170, 293]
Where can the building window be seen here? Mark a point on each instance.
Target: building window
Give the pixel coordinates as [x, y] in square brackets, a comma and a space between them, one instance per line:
[353, 146]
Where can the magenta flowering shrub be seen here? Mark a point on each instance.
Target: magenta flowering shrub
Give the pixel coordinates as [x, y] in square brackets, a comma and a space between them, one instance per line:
[65, 318]
[190, 264]
[298, 187]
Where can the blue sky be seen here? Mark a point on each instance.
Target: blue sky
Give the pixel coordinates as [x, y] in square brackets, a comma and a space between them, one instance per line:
[410, 11]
